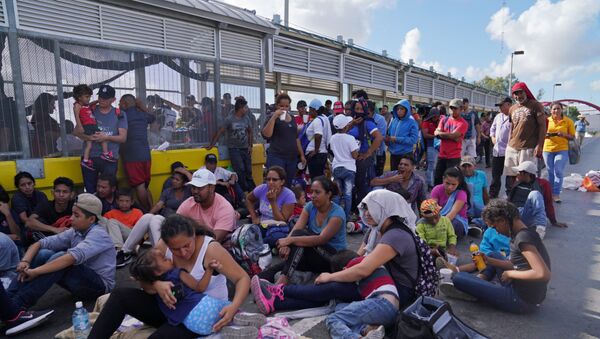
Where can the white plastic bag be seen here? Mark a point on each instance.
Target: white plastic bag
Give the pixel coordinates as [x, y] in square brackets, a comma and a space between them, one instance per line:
[572, 182]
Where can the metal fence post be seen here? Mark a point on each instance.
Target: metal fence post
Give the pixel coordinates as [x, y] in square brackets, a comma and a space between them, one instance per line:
[15, 61]
[140, 78]
[60, 99]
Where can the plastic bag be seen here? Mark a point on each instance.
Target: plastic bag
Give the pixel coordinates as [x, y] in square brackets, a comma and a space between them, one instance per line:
[572, 182]
[574, 152]
[589, 185]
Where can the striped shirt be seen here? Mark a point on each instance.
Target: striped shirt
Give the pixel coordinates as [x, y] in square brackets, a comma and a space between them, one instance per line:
[379, 282]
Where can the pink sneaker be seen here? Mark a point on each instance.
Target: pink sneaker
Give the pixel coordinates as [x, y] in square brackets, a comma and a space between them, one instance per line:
[108, 156]
[264, 294]
[88, 164]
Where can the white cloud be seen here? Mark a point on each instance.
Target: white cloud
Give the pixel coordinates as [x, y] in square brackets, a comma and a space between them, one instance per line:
[553, 36]
[410, 47]
[350, 18]
[595, 85]
[567, 85]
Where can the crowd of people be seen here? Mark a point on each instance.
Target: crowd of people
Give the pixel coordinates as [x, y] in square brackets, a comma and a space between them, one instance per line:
[324, 178]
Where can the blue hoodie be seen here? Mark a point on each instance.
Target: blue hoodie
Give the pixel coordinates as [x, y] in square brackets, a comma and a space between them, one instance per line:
[405, 130]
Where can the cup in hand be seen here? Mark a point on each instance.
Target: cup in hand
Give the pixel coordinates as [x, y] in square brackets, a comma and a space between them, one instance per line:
[446, 275]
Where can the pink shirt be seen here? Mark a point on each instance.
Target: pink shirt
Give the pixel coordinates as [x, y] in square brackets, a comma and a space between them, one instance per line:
[450, 149]
[219, 216]
[438, 193]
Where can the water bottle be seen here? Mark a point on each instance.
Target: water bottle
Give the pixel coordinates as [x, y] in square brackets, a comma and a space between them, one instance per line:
[81, 321]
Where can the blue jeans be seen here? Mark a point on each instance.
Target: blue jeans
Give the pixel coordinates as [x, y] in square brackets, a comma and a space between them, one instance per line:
[80, 280]
[432, 155]
[242, 166]
[556, 162]
[289, 165]
[8, 309]
[344, 178]
[365, 171]
[475, 209]
[351, 320]
[533, 213]
[297, 297]
[503, 297]
[90, 177]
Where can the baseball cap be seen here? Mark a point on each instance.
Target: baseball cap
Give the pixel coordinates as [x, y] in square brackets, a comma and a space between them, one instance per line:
[210, 158]
[430, 207]
[89, 203]
[106, 92]
[338, 107]
[315, 103]
[526, 166]
[456, 103]
[467, 160]
[340, 121]
[202, 177]
[507, 99]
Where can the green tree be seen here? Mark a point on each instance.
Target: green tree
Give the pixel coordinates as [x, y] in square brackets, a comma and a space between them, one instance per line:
[498, 84]
[572, 112]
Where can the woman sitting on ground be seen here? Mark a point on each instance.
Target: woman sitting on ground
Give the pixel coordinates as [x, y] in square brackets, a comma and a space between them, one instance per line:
[172, 197]
[453, 195]
[379, 294]
[318, 234]
[275, 201]
[523, 279]
[190, 248]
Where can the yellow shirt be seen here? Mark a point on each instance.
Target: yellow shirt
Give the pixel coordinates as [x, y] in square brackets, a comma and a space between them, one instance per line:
[557, 144]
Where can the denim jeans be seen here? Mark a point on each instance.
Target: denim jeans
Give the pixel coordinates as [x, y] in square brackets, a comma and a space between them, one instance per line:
[556, 162]
[344, 178]
[8, 309]
[316, 165]
[80, 280]
[432, 155]
[90, 177]
[533, 213]
[351, 320]
[440, 167]
[475, 209]
[365, 171]
[242, 166]
[297, 297]
[289, 165]
[503, 297]
[497, 170]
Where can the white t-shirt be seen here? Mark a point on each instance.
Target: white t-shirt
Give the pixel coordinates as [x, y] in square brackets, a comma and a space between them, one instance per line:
[221, 173]
[342, 146]
[319, 126]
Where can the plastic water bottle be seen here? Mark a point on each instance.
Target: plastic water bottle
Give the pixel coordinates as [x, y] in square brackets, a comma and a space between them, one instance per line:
[81, 321]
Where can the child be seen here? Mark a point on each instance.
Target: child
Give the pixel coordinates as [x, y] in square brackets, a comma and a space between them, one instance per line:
[126, 215]
[196, 310]
[300, 200]
[345, 151]
[436, 230]
[454, 196]
[84, 112]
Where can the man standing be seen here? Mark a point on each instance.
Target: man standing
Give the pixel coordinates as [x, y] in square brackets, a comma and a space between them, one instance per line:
[328, 104]
[473, 134]
[113, 126]
[430, 123]
[382, 127]
[208, 208]
[136, 151]
[500, 133]
[528, 131]
[318, 131]
[451, 130]
[580, 126]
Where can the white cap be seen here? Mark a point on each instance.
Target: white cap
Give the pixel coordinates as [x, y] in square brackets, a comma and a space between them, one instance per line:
[315, 103]
[79, 304]
[202, 177]
[526, 166]
[340, 121]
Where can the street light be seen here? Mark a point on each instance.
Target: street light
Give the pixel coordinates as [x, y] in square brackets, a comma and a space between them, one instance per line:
[511, 70]
[553, 87]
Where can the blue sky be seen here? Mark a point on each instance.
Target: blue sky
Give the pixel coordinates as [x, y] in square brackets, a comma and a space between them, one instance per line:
[561, 39]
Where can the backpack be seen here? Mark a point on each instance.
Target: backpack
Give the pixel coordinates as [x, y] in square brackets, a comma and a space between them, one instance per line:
[427, 274]
[246, 246]
[274, 233]
[304, 141]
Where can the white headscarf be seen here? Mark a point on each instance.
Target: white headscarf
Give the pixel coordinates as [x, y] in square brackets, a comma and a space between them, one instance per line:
[383, 204]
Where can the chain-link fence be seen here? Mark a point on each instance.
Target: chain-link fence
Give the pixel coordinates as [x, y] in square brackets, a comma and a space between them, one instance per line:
[179, 92]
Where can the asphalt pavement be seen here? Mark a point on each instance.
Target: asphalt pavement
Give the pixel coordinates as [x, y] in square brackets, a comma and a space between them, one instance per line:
[571, 308]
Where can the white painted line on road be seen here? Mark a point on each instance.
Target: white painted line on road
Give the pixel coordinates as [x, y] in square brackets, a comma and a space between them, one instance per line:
[307, 324]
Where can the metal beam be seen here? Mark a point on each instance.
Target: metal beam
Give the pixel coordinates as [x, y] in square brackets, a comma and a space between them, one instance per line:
[140, 78]
[60, 99]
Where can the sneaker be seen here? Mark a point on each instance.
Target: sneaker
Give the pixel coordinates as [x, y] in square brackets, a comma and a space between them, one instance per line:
[249, 319]
[123, 258]
[474, 231]
[541, 230]
[88, 164]
[450, 291]
[239, 332]
[108, 156]
[378, 333]
[264, 294]
[26, 320]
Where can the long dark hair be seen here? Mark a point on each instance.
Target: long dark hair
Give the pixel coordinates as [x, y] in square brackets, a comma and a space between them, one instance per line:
[144, 267]
[455, 172]
[176, 224]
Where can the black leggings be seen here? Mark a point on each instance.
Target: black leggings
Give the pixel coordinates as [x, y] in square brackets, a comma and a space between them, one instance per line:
[140, 305]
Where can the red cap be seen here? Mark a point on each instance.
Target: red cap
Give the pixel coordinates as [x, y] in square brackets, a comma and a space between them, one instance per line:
[338, 107]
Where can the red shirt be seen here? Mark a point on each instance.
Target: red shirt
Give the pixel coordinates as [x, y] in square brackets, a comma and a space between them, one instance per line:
[86, 115]
[429, 126]
[450, 149]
